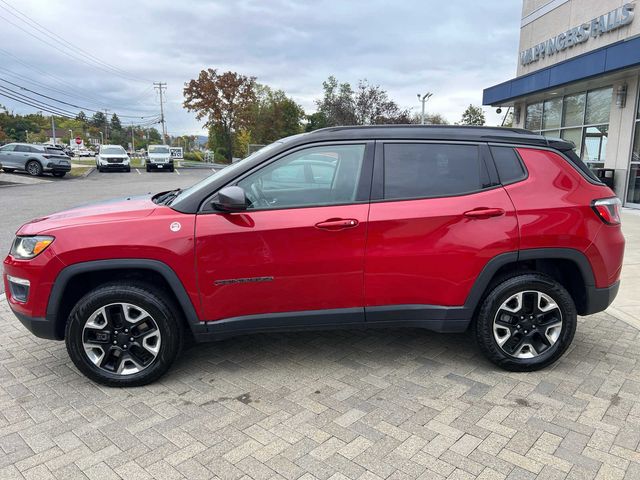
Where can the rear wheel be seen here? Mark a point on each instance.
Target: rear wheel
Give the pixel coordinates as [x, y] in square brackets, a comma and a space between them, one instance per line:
[526, 322]
[34, 168]
[124, 334]
[128, 169]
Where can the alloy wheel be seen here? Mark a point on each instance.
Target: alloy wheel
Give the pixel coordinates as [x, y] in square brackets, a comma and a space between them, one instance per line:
[527, 324]
[121, 338]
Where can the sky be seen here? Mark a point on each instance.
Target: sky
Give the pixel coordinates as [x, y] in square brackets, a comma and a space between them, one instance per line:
[107, 54]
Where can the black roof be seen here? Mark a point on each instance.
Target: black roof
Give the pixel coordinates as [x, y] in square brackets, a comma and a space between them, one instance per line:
[435, 132]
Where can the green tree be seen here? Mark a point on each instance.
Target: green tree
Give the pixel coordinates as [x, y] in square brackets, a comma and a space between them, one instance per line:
[98, 120]
[273, 116]
[82, 117]
[115, 124]
[224, 100]
[472, 116]
[430, 119]
[315, 121]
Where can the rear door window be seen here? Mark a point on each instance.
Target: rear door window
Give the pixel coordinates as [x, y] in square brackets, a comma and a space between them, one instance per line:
[422, 170]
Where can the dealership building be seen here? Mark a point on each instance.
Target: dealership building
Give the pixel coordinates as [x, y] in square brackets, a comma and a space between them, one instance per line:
[578, 78]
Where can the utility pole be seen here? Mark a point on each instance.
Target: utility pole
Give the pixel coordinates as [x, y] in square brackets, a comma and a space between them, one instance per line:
[106, 124]
[53, 129]
[160, 86]
[133, 141]
[423, 99]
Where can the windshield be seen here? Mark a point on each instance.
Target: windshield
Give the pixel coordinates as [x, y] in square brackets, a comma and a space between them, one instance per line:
[113, 151]
[227, 170]
[158, 149]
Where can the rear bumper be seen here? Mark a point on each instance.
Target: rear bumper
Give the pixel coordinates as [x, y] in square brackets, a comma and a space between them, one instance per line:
[59, 168]
[598, 299]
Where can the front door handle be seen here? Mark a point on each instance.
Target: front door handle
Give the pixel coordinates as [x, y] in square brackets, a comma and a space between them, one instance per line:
[337, 224]
[484, 212]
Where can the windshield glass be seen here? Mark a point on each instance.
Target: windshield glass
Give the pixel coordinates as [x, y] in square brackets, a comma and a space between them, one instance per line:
[158, 149]
[113, 151]
[226, 170]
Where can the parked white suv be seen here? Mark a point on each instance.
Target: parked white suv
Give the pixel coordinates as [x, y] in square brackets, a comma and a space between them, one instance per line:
[159, 157]
[112, 157]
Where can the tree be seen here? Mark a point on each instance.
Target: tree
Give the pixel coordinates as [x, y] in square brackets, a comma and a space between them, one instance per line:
[273, 116]
[81, 117]
[430, 119]
[115, 124]
[367, 105]
[224, 100]
[315, 121]
[98, 120]
[472, 116]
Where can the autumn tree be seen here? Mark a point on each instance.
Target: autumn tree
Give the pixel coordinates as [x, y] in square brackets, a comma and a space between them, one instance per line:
[223, 100]
[473, 116]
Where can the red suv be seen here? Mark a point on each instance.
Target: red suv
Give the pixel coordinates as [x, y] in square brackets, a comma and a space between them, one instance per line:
[441, 228]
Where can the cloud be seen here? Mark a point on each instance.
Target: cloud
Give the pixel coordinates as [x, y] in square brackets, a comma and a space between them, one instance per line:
[453, 49]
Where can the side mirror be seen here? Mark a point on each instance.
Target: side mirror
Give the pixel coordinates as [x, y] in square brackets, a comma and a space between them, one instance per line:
[230, 199]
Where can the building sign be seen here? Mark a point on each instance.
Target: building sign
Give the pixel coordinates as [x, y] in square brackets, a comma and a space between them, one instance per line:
[606, 23]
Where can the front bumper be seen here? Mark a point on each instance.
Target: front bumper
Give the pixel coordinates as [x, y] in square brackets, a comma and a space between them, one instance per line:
[40, 327]
[115, 166]
[160, 165]
[598, 299]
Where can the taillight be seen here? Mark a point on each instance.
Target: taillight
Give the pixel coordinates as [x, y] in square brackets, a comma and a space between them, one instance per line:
[608, 209]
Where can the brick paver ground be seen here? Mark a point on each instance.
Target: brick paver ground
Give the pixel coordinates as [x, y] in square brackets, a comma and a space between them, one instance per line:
[389, 404]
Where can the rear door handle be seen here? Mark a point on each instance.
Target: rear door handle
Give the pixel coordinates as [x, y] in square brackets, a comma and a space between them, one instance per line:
[337, 224]
[484, 212]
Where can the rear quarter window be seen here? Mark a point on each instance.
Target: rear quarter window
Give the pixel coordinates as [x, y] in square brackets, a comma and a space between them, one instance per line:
[508, 163]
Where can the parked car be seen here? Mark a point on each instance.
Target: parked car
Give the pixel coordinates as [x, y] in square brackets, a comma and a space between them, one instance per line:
[112, 157]
[34, 159]
[159, 157]
[500, 231]
[83, 152]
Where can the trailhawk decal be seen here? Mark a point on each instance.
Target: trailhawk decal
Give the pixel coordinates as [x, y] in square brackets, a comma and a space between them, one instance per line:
[234, 281]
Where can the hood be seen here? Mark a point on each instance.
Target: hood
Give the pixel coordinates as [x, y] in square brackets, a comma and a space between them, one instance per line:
[113, 155]
[108, 211]
[160, 155]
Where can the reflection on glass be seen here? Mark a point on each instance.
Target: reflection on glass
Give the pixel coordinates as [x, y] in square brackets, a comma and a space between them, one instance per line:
[595, 143]
[533, 120]
[573, 113]
[635, 154]
[598, 106]
[551, 113]
[633, 192]
[573, 135]
[551, 133]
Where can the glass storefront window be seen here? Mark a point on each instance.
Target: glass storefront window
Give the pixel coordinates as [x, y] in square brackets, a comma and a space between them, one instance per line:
[595, 144]
[573, 111]
[598, 106]
[633, 190]
[573, 135]
[533, 120]
[552, 113]
[551, 133]
[635, 154]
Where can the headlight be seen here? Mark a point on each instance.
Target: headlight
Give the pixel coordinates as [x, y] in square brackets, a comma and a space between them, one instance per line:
[26, 248]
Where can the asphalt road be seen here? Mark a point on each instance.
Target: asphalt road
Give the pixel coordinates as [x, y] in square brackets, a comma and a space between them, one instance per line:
[19, 204]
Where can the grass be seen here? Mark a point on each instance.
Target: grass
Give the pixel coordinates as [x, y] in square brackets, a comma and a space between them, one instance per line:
[79, 171]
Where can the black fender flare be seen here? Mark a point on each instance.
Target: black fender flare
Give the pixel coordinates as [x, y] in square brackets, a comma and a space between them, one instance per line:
[488, 272]
[67, 273]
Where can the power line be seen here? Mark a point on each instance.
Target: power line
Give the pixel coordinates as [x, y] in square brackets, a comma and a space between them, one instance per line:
[70, 104]
[160, 86]
[95, 61]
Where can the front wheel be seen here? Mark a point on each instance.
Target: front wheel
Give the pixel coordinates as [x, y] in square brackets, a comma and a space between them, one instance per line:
[526, 322]
[124, 334]
[34, 168]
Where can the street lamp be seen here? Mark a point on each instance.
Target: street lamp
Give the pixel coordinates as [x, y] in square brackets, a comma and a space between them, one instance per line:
[27, 132]
[101, 138]
[423, 99]
[70, 136]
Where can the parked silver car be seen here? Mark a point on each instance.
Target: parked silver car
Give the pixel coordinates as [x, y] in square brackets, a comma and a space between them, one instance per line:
[34, 159]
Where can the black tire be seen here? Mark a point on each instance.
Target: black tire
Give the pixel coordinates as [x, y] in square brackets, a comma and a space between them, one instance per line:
[148, 168]
[171, 168]
[59, 174]
[166, 317]
[33, 168]
[8, 170]
[505, 290]
[128, 169]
